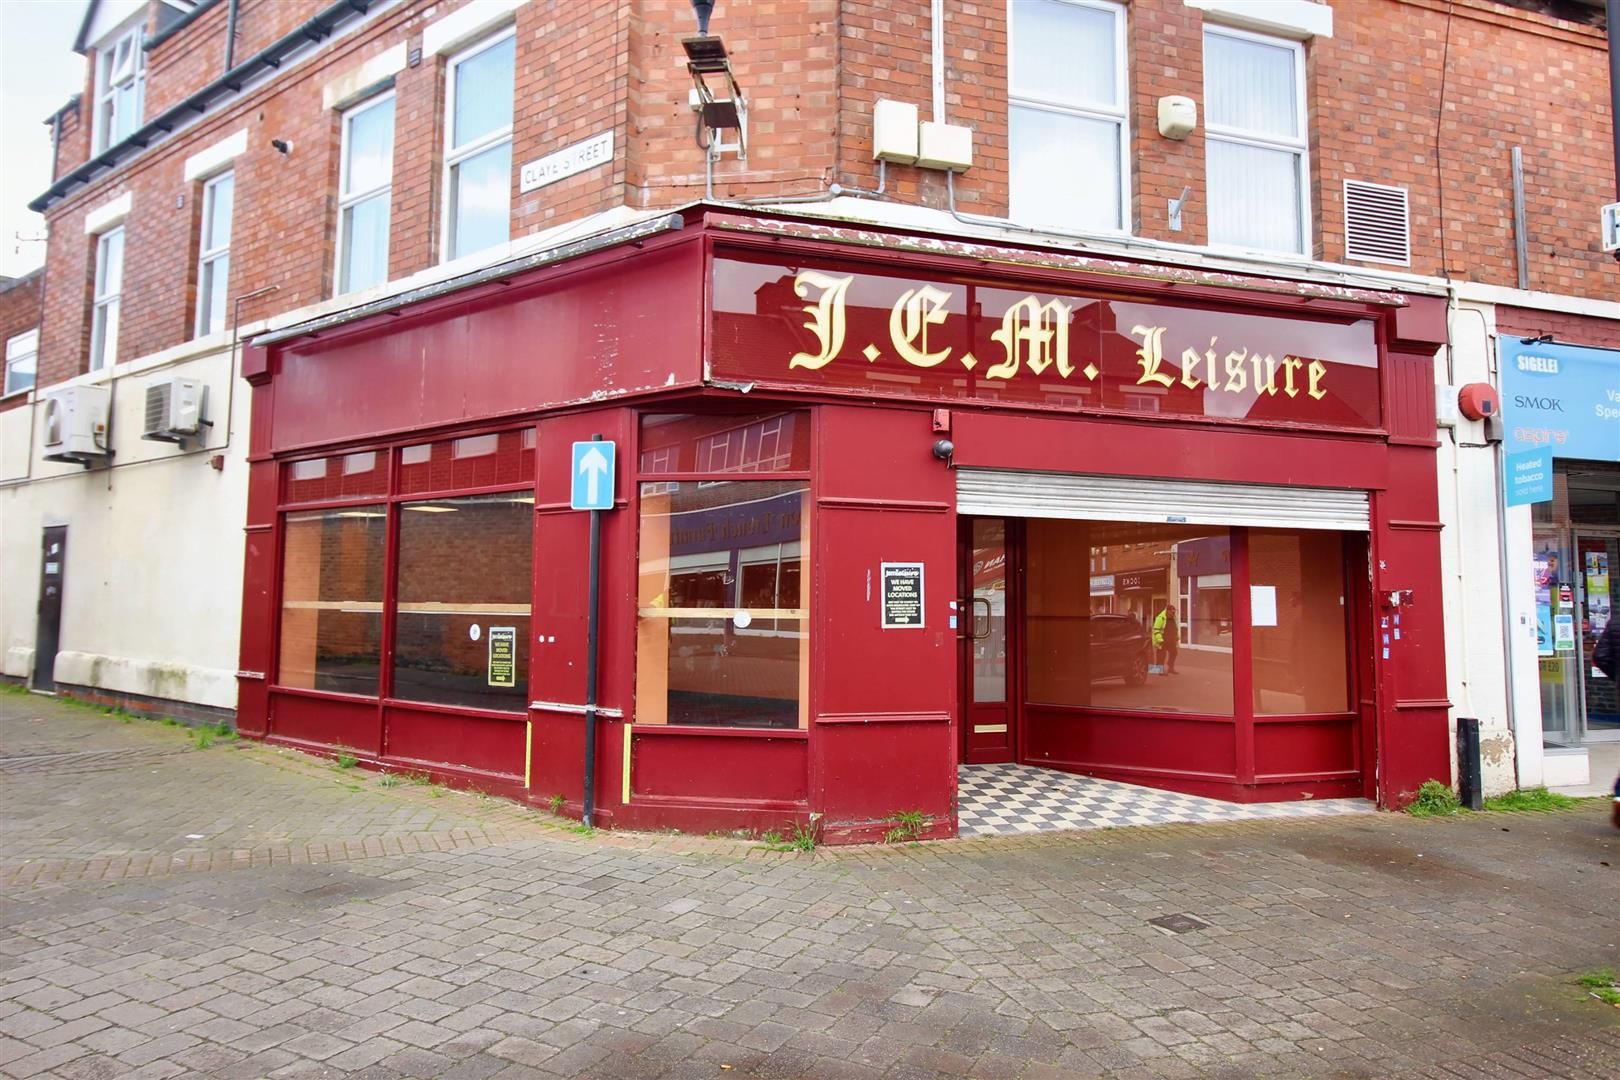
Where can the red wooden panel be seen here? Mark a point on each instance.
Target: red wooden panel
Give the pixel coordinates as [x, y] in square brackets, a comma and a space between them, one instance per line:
[870, 771]
[1182, 452]
[1304, 748]
[423, 736]
[753, 769]
[622, 328]
[258, 585]
[561, 563]
[557, 759]
[1148, 743]
[324, 721]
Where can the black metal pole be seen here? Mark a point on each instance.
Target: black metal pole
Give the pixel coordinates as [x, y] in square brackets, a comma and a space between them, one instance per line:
[593, 592]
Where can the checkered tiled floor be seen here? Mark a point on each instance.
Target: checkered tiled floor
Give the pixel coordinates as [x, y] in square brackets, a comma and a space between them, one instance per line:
[1023, 799]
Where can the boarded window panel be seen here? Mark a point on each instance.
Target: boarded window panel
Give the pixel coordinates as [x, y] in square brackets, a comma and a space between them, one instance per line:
[1377, 223]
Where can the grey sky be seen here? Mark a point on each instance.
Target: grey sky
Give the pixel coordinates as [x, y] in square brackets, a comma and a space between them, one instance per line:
[39, 71]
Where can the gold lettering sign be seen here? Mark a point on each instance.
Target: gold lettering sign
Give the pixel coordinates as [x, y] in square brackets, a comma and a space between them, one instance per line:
[1034, 335]
[826, 317]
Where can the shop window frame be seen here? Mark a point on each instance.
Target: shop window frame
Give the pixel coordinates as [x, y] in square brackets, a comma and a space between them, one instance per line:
[389, 454]
[1245, 718]
[664, 483]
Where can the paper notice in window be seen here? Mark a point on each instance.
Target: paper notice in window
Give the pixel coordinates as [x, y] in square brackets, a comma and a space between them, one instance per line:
[503, 656]
[1262, 605]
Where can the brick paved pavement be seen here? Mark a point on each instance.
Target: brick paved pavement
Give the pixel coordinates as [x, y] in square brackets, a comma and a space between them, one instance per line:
[225, 912]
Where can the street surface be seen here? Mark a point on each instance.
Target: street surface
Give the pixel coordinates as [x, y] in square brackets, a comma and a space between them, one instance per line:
[241, 911]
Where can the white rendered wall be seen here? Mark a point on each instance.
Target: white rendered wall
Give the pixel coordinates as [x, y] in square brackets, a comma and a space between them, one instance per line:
[1476, 662]
[152, 591]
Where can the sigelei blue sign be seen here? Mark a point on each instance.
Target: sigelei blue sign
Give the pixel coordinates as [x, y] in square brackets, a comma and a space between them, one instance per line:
[1564, 399]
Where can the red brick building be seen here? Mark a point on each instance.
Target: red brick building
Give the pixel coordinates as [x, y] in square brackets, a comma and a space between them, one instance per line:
[286, 171]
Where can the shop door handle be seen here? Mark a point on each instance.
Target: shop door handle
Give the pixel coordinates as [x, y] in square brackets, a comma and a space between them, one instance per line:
[973, 630]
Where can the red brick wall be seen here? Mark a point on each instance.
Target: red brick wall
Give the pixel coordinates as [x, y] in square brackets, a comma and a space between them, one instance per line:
[1572, 329]
[812, 70]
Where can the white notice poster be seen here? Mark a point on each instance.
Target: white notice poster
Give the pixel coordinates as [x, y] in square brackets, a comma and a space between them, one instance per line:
[1262, 605]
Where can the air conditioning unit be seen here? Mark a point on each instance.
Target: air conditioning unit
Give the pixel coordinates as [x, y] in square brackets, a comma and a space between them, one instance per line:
[75, 427]
[174, 410]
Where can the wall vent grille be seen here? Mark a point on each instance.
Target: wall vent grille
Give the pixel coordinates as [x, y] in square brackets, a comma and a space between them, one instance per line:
[1377, 223]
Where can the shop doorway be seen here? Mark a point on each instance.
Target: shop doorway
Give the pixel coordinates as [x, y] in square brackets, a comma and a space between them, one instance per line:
[1216, 660]
[988, 635]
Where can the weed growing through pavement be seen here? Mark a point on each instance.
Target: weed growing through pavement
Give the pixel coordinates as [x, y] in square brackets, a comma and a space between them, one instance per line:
[1603, 984]
[1538, 799]
[556, 803]
[1434, 799]
[798, 838]
[202, 738]
[908, 825]
[389, 779]
[581, 828]
[420, 779]
[437, 791]
[344, 759]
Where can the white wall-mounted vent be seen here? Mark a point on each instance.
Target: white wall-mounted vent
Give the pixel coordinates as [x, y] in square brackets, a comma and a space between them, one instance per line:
[1377, 223]
[174, 410]
[75, 427]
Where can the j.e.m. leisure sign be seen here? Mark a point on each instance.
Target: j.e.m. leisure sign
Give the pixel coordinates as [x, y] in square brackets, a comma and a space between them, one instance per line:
[896, 336]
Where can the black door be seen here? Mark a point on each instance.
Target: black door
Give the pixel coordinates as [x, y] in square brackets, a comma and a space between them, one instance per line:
[49, 635]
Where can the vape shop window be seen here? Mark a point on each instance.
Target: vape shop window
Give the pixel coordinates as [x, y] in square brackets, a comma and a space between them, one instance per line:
[332, 599]
[461, 631]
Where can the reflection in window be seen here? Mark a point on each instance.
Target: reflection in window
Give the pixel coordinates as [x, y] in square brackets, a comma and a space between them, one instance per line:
[332, 599]
[461, 635]
[688, 443]
[720, 638]
[348, 476]
[1163, 605]
[1298, 613]
[477, 461]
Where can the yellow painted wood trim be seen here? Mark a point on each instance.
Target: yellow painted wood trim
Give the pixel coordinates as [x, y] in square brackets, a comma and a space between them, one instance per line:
[989, 729]
[528, 757]
[625, 794]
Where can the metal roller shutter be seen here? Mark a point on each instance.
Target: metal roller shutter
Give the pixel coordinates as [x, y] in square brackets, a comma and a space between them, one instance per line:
[1013, 493]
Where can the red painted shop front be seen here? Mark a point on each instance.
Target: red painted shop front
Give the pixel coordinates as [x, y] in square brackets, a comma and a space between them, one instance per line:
[886, 505]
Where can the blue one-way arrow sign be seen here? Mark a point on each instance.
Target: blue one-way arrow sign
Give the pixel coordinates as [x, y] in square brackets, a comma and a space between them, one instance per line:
[591, 483]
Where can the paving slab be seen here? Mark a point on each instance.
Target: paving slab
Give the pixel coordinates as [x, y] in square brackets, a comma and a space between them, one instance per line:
[244, 910]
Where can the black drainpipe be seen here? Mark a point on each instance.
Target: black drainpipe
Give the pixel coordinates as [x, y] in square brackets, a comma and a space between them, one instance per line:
[230, 34]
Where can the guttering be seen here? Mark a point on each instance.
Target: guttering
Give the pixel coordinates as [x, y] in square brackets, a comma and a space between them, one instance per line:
[629, 234]
[312, 32]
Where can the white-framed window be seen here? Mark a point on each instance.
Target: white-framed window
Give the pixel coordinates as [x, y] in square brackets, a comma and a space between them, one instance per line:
[1068, 101]
[214, 256]
[478, 146]
[120, 87]
[365, 186]
[1256, 141]
[22, 362]
[105, 299]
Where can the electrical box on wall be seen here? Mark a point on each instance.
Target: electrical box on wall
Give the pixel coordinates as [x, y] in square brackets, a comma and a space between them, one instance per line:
[894, 132]
[944, 146]
[75, 427]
